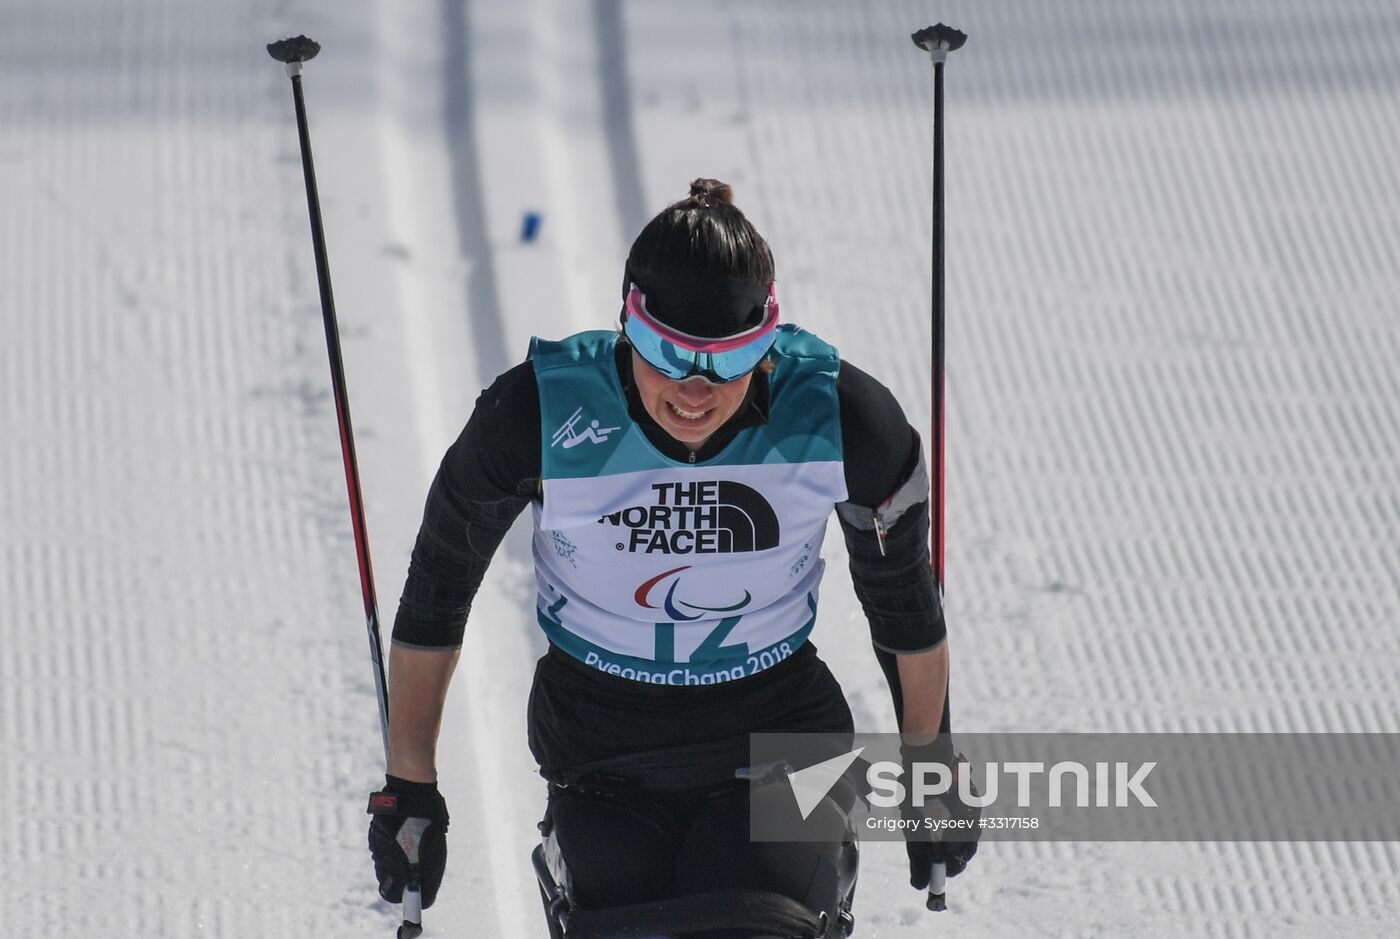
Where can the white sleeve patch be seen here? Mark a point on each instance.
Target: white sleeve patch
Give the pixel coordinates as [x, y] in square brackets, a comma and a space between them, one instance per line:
[883, 517]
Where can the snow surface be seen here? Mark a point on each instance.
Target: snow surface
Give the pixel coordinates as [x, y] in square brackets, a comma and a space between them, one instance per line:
[1174, 409]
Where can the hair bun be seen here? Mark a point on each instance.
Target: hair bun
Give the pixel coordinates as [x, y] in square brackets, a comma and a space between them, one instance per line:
[710, 192]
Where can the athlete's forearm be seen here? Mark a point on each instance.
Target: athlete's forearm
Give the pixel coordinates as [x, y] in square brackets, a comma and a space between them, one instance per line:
[418, 682]
[923, 678]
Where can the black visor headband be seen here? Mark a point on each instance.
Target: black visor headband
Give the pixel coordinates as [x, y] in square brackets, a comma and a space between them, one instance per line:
[701, 304]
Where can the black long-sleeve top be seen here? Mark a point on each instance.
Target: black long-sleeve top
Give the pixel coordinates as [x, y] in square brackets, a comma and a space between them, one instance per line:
[492, 472]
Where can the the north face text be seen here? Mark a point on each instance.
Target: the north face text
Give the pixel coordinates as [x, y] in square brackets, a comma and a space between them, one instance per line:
[710, 517]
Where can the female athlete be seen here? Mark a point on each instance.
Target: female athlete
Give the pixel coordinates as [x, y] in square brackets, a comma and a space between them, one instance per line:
[681, 470]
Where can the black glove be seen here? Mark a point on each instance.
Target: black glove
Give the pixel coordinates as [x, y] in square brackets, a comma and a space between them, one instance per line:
[927, 846]
[409, 824]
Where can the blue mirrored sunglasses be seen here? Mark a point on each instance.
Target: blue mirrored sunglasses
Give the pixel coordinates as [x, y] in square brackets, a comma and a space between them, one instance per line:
[679, 355]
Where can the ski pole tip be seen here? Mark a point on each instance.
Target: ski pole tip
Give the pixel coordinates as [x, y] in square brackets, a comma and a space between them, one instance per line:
[937, 898]
[294, 49]
[412, 926]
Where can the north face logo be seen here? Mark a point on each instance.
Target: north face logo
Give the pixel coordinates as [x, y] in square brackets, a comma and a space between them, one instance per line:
[712, 517]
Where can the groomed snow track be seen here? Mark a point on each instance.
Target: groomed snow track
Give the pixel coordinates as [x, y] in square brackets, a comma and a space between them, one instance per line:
[1174, 412]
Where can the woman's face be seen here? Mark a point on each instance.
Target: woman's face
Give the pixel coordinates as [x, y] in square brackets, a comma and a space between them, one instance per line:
[691, 410]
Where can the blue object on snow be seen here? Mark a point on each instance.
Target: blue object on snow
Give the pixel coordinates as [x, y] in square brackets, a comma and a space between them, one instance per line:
[530, 226]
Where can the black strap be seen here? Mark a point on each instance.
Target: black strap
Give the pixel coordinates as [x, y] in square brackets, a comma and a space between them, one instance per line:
[769, 913]
[676, 769]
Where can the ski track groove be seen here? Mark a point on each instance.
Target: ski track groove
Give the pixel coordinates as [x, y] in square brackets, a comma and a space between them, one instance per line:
[614, 85]
[483, 302]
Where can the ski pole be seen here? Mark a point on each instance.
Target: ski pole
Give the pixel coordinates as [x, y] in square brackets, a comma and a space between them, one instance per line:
[293, 53]
[938, 41]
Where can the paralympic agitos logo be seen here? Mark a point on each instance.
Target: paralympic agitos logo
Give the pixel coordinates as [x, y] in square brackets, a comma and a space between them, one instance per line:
[646, 594]
[711, 517]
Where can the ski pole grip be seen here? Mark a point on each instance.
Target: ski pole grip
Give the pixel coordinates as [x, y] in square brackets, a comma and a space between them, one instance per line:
[410, 839]
[936, 899]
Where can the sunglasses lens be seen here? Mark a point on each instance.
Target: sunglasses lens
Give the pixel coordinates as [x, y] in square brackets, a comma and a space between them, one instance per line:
[723, 361]
[678, 364]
